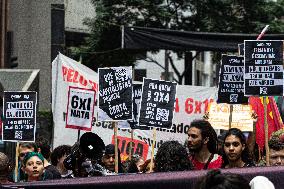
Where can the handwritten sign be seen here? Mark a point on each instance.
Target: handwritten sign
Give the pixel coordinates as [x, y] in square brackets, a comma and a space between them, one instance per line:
[80, 108]
[20, 116]
[157, 105]
[263, 68]
[241, 116]
[231, 81]
[115, 94]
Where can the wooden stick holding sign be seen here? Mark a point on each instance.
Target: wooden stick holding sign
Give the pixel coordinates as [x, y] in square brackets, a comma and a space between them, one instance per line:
[152, 150]
[114, 124]
[265, 109]
[131, 145]
[266, 131]
[17, 163]
[231, 115]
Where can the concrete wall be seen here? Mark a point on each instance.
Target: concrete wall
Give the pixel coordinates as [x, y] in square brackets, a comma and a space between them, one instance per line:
[75, 13]
[30, 20]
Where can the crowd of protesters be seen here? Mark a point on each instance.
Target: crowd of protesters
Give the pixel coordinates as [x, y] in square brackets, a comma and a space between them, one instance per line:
[204, 150]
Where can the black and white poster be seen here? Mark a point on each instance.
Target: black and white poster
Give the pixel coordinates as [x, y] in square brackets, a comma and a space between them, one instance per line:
[231, 80]
[19, 111]
[263, 68]
[157, 105]
[136, 97]
[115, 94]
[80, 108]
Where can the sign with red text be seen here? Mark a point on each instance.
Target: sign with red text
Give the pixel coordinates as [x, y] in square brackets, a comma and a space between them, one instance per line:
[66, 73]
[191, 103]
[80, 108]
[241, 116]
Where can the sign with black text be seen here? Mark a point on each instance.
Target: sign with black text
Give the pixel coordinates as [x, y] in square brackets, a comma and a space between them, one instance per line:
[19, 111]
[80, 108]
[263, 68]
[231, 80]
[157, 105]
[136, 97]
[115, 94]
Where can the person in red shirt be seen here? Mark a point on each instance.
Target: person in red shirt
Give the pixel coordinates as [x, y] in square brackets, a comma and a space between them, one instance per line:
[202, 145]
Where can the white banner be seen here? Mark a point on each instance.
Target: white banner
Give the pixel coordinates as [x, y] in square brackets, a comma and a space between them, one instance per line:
[191, 103]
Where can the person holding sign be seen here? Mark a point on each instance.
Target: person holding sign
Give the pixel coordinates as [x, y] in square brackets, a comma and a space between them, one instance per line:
[202, 145]
[236, 153]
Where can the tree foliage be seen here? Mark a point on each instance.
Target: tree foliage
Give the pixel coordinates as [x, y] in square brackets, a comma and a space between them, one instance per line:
[237, 16]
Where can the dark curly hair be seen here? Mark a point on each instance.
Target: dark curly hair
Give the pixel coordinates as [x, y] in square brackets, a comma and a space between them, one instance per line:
[276, 141]
[214, 179]
[207, 131]
[246, 158]
[59, 152]
[43, 144]
[172, 156]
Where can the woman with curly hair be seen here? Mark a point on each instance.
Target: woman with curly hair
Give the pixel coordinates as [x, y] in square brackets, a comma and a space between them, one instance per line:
[172, 156]
[276, 146]
[236, 153]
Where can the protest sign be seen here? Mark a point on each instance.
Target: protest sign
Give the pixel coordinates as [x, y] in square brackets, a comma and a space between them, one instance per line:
[191, 103]
[20, 116]
[157, 104]
[137, 147]
[241, 116]
[136, 100]
[231, 80]
[65, 73]
[263, 68]
[80, 109]
[115, 94]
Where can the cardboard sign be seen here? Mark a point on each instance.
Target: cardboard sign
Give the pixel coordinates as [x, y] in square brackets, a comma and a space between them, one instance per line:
[138, 147]
[157, 105]
[80, 108]
[263, 68]
[241, 116]
[115, 94]
[20, 116]
[231, 81]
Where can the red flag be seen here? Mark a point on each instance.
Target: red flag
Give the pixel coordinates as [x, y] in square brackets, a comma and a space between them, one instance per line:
[273, 118]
